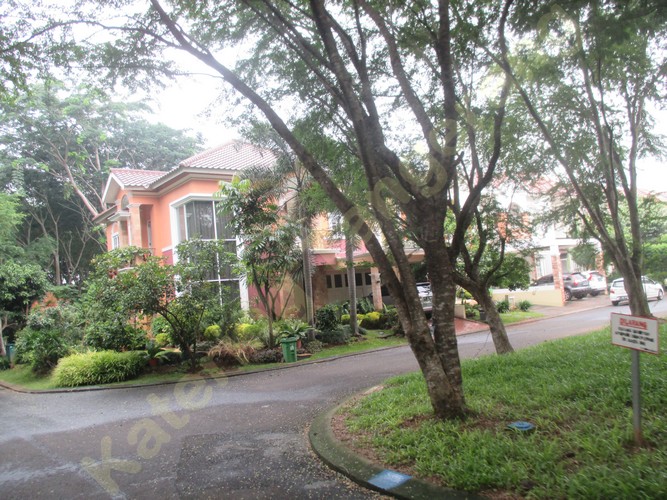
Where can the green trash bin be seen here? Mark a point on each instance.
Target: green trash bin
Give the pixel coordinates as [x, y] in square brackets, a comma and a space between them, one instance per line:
[289, 349]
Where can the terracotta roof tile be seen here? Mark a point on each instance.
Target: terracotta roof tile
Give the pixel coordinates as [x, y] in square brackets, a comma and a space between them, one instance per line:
[234, 155]
[129, 177]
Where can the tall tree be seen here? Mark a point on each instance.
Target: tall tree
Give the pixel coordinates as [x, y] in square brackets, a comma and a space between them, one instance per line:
[33, 41]
[386, 75]
[588, 72]
[76, 136]
[56, 148]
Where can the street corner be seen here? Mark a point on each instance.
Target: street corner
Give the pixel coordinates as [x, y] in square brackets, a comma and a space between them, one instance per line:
[362, 471]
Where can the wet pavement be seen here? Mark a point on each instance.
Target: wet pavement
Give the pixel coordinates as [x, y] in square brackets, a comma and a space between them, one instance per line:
[238, 437]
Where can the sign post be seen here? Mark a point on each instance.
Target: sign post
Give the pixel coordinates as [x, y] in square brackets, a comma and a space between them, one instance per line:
[641, 335]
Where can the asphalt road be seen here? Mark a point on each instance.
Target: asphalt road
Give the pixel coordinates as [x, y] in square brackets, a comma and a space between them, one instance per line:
[239, 437]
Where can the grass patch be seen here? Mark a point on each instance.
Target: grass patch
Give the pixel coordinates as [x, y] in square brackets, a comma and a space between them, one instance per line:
[577, 393]
[369, 341]
[516, 316]
[23, 376]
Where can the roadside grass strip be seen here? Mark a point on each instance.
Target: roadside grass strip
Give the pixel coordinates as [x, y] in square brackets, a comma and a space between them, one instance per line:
[577, 394]
[517, 316]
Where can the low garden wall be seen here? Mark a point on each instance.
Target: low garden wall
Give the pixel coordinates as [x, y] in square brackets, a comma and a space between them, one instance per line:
[536, 295]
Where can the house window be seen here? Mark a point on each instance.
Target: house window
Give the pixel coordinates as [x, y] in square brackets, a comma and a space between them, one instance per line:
[115, 241]
[200, 219]
[337, 280]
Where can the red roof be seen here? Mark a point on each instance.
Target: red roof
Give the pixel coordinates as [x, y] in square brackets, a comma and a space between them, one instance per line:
[129, 177]
[234, 155]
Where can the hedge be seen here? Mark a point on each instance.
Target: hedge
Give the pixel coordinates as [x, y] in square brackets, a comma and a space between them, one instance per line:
[100, 367]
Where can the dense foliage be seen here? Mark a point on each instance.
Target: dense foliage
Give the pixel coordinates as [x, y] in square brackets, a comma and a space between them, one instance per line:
[98, 367]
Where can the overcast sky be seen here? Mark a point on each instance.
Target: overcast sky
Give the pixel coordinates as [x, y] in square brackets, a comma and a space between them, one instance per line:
[184, 105]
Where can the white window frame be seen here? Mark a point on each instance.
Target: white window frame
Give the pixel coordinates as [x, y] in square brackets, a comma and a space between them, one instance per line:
[174, 208]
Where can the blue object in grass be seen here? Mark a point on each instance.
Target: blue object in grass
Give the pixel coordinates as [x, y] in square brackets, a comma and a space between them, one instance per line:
[521, 426]
[389, 479]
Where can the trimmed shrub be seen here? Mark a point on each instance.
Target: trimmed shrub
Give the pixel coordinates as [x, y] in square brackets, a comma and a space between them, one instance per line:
[101, 367]
[345, 319]
[249, 331]
[267, 356]
[524, 305]
[340, 335]
[503, 306]
[327, 318]
[373, 321]
[212, 333]
[313, 346]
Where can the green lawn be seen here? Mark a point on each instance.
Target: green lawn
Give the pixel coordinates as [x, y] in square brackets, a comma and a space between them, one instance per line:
[23, 376]
[516, 316]
[575, 391]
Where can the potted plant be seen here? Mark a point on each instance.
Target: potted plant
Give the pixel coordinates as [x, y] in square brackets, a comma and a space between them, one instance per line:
[154, 353]
[293, 328]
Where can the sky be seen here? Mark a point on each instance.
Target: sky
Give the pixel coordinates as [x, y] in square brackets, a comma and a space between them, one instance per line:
[185, 105]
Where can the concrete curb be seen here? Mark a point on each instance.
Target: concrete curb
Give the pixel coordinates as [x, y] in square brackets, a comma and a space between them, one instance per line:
[367, 474]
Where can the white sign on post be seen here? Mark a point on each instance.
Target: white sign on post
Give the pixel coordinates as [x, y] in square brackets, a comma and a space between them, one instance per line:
[634, 332]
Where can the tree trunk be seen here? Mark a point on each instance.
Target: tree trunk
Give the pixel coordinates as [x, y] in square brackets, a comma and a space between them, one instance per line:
[632, 282]
[443, 291]
[498, 332]
[307, 275]
[3, 323]
[351, 283]
[57, 277]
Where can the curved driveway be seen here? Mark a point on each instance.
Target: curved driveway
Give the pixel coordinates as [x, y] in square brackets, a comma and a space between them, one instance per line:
[241, 437]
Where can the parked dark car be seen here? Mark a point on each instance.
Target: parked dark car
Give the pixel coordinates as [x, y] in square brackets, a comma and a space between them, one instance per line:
[574, 284]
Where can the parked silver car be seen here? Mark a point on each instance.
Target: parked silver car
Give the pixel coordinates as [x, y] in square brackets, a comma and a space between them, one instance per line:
[617, 293]
[596, 281]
